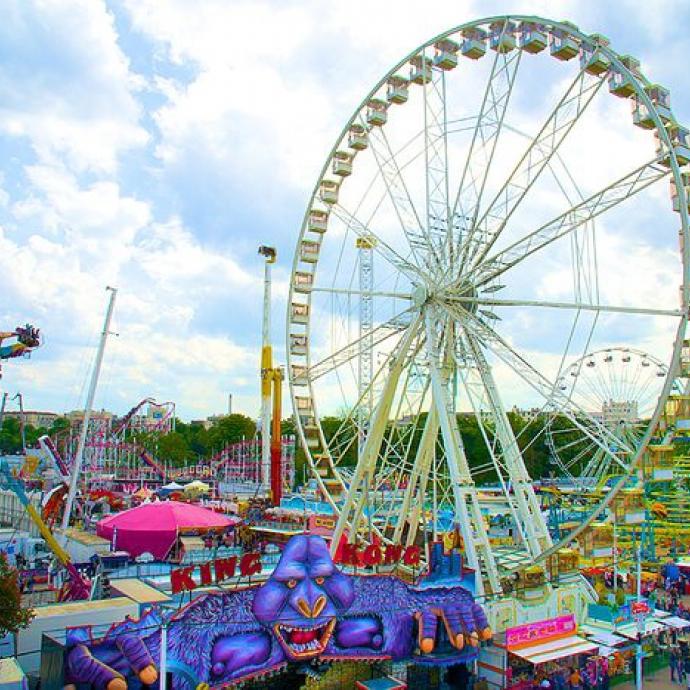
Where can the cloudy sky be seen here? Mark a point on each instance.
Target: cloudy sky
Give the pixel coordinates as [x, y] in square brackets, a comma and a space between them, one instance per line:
[153, 145]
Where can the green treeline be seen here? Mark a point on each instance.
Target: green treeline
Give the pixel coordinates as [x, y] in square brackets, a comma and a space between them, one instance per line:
[193, 442]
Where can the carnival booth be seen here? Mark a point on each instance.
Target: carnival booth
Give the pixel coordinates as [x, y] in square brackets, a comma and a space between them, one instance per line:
[526, 654]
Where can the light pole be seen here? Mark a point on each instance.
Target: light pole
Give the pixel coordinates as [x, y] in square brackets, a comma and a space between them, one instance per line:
[269, 253]
[79, 457]
[640, 619]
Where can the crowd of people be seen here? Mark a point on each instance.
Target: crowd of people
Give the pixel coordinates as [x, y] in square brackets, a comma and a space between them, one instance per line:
[679, 664]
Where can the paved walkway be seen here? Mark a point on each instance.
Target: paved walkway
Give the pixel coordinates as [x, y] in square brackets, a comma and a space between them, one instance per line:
[654, 681]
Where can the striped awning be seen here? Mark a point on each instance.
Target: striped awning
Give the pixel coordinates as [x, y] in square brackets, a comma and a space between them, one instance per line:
[555, 649]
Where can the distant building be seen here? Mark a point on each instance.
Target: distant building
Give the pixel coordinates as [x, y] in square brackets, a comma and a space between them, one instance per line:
[206, 423]
[615, 411]
[99, 419]
[35, 418]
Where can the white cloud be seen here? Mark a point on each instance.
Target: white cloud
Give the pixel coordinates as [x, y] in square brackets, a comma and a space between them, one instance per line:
[67, 86]
[265, 91]
[87, 237]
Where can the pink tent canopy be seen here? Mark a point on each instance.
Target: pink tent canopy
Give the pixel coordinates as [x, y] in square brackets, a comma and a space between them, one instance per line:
[154, 527]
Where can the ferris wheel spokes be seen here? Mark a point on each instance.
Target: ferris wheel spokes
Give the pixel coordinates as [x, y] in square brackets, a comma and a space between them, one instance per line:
[391, 256]
[414, 496]
[436, 191]
[495, 102]
[565, 223]
[534, 160]
[399, 194]
[379, 334]
[477, 397]
[579, 306]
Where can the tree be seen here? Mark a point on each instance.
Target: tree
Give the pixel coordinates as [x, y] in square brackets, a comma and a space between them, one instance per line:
[10, 436]
[12, 617]
[231, 428]
[173, 447]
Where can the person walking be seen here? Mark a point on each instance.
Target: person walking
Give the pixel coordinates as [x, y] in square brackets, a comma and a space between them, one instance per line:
[673, 664]
[686, 670]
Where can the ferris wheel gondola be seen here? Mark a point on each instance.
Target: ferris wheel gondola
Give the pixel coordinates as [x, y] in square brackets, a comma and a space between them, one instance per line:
[419, 291]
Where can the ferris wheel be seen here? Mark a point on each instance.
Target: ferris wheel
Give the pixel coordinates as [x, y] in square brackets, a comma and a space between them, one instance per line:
[449, 265]
[619, 387]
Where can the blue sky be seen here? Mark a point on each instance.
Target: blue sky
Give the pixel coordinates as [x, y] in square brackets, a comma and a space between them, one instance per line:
[153, 145]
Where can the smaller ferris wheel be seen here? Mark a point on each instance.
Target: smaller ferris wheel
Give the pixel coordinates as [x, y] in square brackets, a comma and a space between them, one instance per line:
[618, 387]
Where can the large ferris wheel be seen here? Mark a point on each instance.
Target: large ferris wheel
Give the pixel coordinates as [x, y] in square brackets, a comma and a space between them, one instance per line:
[486, 214]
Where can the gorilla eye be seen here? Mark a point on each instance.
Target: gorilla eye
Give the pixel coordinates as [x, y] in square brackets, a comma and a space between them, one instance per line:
[291, 584]
[319, 580]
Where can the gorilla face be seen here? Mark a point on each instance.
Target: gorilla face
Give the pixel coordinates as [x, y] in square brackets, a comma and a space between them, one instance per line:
[303, 596]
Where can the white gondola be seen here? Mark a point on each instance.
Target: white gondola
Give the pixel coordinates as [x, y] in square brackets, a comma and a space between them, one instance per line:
[342, 163]
[298, 344]
[680, 141]
[676, 196]
[376, 112]
[661, 98]
[299, 375]
[303, 404]
[621, 84]
[420, 69]
[358, 139]
[593, 59]
[299, 313]
[642, 116]
[446, 56]
[311, 431]
[318, 220]
[533, 37]
[502, 36]
[398, 89]
[303, 282]
[474, 43]
[309, 251]
[563, 45]
[329, 191]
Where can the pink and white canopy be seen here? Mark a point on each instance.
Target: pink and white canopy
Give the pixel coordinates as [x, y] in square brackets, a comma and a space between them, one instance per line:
[154, 527]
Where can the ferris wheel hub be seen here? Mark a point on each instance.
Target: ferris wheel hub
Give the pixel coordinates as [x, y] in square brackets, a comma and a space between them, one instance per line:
[464, 296]
[420, 296]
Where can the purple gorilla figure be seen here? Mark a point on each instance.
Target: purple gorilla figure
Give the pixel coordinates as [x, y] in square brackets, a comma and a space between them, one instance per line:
[311, 609]
[306, 609]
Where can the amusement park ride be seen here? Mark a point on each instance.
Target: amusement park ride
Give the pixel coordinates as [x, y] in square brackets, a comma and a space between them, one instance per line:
[27, 338]
[431, 197]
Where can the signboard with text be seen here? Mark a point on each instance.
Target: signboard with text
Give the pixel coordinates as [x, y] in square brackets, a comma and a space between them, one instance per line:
[639, 608]
[540, 631]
